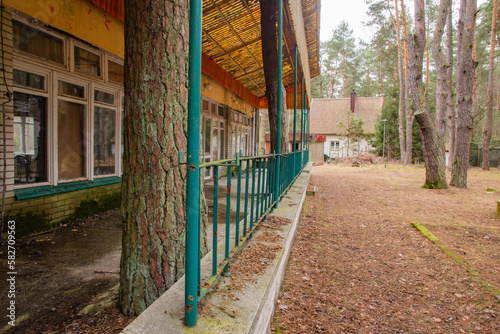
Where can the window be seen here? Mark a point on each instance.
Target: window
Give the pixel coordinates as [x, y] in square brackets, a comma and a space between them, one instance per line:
[38, 43]
[334, 145]
[71, 146]
[104, 140]
[67, 121]
[87, 62]
[30, 138]
[115, 72]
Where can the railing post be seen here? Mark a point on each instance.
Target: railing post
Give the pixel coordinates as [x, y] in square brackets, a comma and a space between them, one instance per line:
[302, 125]
[193, 164]
[295, 110]
[238, 200]
[280, 97]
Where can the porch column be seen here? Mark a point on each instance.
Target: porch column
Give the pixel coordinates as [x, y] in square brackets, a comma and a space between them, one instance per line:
[302, 124]
[295, 110]
[280, 97]
[193, 164]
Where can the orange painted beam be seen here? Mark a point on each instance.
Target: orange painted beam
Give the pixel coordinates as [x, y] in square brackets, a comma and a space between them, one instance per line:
[223, 78]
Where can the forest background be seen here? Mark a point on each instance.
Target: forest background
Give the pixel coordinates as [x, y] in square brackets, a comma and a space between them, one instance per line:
[371, 68]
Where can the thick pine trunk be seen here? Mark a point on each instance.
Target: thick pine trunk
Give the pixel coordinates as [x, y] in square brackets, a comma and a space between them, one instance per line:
[488, 128]
[465, 84]
[153, 196]
[435, 176]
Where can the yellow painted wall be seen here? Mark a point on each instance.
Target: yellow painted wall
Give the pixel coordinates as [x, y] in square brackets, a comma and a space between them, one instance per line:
[79, 18]
[224, 96]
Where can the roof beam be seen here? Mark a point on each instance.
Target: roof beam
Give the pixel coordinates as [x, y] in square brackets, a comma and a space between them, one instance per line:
[236, 48]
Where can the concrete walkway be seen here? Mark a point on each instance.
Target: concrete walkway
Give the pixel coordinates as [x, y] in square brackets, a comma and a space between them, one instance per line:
[244, 301]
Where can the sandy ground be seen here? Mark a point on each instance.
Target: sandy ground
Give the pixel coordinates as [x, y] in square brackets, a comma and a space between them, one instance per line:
[359, 265]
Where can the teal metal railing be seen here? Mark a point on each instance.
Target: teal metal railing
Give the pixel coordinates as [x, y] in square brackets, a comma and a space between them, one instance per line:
[255, 197]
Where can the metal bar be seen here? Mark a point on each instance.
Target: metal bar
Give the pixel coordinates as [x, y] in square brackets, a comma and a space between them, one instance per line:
[238, 201]
[280, 79]
[295, 107]
[269, 184]
[193, 162]
[228, 211]
[252, 205]
[246, 199]
[302, 124]
[265, 179]
[258, 192]
[215, 213]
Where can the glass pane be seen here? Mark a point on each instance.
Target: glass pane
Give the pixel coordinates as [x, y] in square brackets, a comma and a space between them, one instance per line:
[221, 111]
[115, 72]
[30, 80]
[222, 145]
[70, 140]
[104, 141]
[104, 97]
[30, 135]
[213, 108]
[208, 132]
[205, 105]
[66, 88]
[38, 43]
[215, 145]
[87, 62]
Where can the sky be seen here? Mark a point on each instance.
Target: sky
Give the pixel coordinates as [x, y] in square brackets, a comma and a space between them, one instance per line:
[354, 13]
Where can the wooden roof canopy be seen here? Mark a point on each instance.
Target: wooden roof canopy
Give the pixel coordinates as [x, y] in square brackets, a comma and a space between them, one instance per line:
[232, 44]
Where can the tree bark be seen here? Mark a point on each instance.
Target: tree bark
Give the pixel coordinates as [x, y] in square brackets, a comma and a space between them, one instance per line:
[451, 96]
[488, 128]
[434, 162]
[269, 33]
[402, 88]
[156, 91]
[465, 85]
[441, 77]
[409, 113]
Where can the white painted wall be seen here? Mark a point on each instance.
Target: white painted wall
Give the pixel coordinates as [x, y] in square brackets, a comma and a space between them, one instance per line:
[342, 151]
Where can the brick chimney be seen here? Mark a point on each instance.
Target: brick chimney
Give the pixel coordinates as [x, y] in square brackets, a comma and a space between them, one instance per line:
[353, 101]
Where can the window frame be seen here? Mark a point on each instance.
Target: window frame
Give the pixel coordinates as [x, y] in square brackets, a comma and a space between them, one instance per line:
[117, 108]
[67, 77]
[104, 69]
[54, 72]
[46, 93]
[34, 58]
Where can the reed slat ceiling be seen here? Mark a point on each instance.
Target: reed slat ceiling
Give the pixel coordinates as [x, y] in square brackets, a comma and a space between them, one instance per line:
[231, 38]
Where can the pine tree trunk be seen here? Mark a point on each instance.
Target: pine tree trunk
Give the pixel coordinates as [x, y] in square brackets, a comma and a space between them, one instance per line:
[402, 87]
[153, 196]
[465, 85]
[268, 22]
[488, 128]
[435, 176]
[451, 97]
[441, 77]
[409, 113]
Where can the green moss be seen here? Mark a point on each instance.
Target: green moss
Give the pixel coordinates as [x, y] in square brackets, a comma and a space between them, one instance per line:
[428, 234]
[89, 207]
[435, 185]
[490, 189]
[29, 223]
